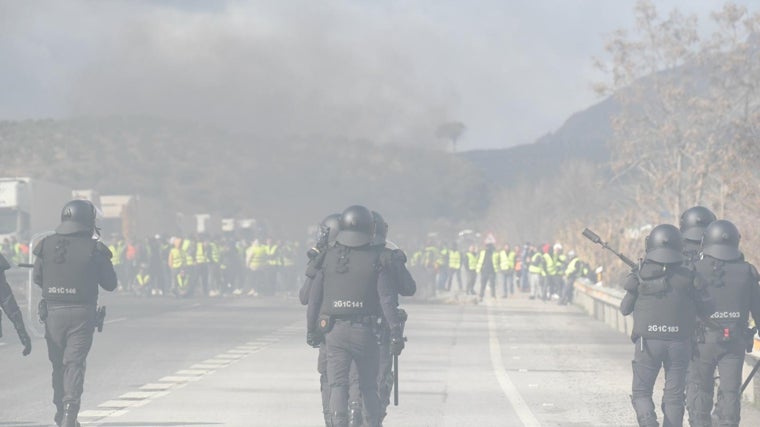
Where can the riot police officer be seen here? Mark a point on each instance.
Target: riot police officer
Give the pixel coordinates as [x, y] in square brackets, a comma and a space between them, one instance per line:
[349, 296]
[69, 267]
[394, 260]
[9, 305]
[732, 284]
[661, 295]
[327, 232]
[692, 224]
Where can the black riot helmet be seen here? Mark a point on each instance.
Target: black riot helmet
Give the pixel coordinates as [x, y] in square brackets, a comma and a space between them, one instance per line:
[331, 224]
[356, 225]
[721, 241]
[380, 230]
[694, 221]
[664, 245]
[77, 216]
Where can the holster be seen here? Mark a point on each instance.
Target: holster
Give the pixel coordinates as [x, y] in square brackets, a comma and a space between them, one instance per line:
[100, 318]
[42, 310]
[699, 333]
[403, 317]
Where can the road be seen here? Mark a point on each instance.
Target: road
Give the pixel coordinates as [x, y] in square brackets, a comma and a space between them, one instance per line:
[244, 362]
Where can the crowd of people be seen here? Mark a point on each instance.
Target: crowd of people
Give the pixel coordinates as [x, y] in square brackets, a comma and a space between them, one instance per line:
[544, 271]
[204, 265]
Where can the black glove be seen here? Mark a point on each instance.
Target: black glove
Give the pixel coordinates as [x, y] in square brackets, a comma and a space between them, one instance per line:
[18, 322]
[314, 339]
[397, 342]
[26, 341]
[631, 283]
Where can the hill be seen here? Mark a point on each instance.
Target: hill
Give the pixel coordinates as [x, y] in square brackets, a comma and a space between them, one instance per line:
[584, 136]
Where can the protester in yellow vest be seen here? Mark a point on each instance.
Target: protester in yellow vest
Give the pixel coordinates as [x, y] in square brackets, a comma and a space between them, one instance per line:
[256, 257]
[455, 267]
[536, 272]
[472, 269]
[176, 263]
[507, 269]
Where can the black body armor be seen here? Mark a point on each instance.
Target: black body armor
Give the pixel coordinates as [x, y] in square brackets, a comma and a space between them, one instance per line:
[665, 307]
[69, 271]
[350, 281]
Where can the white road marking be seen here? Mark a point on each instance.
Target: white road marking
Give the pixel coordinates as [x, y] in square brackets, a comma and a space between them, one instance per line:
[118, 319]
[157, 386]
[149, 392]
[179, 379]
[139, 394]
[193, 372]
[507, 386]
[119, 404]
[230, 356]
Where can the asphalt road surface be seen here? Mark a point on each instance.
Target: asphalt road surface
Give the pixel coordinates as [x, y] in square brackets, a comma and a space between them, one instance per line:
[244, 362]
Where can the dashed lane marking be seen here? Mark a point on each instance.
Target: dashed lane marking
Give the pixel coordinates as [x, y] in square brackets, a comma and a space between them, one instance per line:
[507, 386]
[118, 319]
[153, 390]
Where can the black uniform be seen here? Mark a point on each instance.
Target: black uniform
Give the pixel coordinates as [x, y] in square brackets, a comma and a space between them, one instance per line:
[354, 292]
[10, 306]
[395, 262]
[733, 285]
[312, 270]
[665, 304]
[69, 268]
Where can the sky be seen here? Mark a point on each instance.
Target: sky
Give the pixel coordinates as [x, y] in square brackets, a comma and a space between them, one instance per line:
[388, 71]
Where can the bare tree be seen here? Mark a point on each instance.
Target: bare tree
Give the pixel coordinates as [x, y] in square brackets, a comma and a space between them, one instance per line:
[687, 128]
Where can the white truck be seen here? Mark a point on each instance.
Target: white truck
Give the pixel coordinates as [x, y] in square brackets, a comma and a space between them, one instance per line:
[29, 206]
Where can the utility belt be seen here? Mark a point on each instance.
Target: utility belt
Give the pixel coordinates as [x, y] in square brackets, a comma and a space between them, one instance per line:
[359, 319]
[726, 334]
[326, 321]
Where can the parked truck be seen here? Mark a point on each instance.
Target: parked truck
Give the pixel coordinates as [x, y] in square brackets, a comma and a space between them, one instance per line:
[135, 217]
[29, 206]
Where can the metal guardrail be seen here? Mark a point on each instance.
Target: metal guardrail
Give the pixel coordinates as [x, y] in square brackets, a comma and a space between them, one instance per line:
[603, 304]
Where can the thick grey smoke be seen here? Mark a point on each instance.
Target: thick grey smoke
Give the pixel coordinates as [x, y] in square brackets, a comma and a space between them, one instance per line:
[385, 70]
[267, 68]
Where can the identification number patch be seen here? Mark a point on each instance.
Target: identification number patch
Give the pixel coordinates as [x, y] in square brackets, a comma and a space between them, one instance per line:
[61, 291]
[726, 315]
[348, 304]
[662, 328]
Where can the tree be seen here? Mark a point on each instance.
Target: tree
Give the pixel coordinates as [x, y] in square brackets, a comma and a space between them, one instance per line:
[686, 130]
[451, 131]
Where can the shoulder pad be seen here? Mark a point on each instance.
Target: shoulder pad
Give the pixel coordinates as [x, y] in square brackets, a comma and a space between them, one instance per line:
[754, 273]
[37, 251]
[102, 249]
[386, 258]
[399, 255]
[4, 265]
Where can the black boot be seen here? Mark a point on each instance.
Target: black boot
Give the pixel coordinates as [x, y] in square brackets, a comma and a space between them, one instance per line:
[355, 414]
[70, 412]
[339, 419]
[58, 415]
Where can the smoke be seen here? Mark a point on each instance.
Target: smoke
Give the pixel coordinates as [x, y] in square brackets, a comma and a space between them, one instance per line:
[264, 68]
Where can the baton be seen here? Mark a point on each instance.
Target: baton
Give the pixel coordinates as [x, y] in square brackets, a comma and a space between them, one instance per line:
[395, 380]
